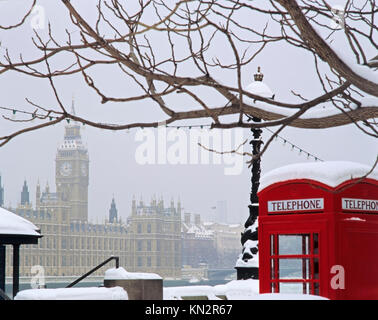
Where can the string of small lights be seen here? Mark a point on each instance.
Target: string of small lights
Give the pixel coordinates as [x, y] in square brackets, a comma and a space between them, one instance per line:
[33, 115]
[285, 141]
[201, 126]
[295, 147]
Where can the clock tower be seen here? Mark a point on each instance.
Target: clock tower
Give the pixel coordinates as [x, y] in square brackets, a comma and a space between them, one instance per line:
[71, 173]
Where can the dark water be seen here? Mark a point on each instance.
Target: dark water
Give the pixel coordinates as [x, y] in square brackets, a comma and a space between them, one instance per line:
[166, 283]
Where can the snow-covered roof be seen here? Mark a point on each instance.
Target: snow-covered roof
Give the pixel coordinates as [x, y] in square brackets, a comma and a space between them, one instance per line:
[259, 88]
[331, 173]
[11, 223]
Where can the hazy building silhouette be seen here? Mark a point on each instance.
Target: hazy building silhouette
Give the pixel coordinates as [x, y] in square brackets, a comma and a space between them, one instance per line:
[221, 212]
[25, 194]
[113, 212]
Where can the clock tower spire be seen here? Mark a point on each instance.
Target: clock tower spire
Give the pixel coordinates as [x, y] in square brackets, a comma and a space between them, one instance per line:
[71, 172]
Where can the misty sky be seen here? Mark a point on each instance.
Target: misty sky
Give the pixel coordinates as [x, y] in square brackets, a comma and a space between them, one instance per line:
[113, 167]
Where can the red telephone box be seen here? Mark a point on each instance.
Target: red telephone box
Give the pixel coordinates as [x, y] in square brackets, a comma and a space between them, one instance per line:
[318, 230]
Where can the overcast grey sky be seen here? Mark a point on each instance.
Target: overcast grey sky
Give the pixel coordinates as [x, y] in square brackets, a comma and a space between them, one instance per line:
[113, 168]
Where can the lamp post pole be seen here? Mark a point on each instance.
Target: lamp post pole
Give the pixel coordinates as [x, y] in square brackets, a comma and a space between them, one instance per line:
[251, 233]
[255, 179]
[248, 266]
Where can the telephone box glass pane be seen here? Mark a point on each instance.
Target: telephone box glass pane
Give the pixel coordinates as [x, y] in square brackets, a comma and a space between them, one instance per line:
[291, 287]
[293, 244]
[295, 287]
[294, 269]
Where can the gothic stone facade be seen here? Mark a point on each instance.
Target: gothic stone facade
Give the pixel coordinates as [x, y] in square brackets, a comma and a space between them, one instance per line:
[150, 241]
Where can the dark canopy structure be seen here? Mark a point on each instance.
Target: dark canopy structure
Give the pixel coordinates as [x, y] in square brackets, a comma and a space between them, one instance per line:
[14, 231]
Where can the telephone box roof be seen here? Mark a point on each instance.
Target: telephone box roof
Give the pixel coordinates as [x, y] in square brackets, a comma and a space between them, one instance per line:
[331, 173]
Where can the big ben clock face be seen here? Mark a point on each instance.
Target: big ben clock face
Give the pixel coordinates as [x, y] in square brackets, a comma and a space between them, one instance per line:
[84, 169]
[65, 169]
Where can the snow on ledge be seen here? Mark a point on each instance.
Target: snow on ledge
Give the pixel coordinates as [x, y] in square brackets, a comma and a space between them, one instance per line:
[233, 290]
[11, 223]
[176, 293]
[331, 173]
[121, 274]
[91, 293]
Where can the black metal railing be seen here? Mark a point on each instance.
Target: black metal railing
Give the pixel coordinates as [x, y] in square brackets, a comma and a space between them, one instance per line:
[95, 269]
[4, 296]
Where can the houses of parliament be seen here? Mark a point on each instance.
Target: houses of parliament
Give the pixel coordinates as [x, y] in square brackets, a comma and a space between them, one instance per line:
[149, 241]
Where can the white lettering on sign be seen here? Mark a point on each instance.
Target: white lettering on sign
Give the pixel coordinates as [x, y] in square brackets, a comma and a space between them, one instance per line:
[296, 205]
[359, 204]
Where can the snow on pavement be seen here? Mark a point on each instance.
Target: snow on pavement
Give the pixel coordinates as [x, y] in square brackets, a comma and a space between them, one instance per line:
[91, 293]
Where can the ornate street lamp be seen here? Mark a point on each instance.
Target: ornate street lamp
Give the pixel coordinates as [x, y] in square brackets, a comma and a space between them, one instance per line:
[247, 265]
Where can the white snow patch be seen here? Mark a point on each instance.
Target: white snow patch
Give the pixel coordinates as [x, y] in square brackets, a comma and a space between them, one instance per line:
[176, 293]
[233, 290]
[354, 219]
[259, 88]
[11, 223]
[349, 59]
[363, 71]
[91, 293]
[331, 173]
[249, 244]
[253, 227]
[121, 274]
[287, 296]
[313, 113]
[238, 289]
[370, 74]
[253, 262]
